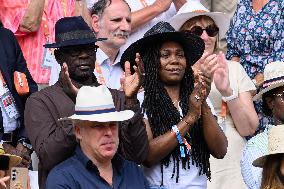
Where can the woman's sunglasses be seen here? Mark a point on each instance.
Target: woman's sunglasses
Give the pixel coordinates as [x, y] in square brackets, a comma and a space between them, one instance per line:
[211, 30]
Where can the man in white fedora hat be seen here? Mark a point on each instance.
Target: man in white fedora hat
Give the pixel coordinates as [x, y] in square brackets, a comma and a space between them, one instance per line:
[272, 95]
[96, 163]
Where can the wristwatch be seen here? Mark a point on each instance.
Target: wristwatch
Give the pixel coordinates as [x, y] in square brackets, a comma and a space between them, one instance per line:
[232, 97]
[25, 144]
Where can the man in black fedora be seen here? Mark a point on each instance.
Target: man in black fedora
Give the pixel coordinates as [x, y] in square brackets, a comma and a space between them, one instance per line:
[54, 141]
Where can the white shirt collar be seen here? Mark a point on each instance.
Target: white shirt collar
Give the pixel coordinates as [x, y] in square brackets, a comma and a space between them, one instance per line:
[102, 57]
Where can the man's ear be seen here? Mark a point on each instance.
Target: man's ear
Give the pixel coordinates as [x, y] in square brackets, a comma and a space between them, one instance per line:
[95, 23]
[58, 57]
[77, 131]
[270, 102]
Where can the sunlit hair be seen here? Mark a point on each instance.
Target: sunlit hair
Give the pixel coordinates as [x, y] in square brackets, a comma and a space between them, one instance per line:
[99, 7]
[202, 18]
[271, 168]
[162, 114]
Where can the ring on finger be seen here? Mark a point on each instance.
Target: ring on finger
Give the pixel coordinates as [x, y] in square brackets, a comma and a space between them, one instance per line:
[197, 97]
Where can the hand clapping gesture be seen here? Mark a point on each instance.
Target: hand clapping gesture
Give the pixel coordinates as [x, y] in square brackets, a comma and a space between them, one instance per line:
[131, 83]
[221, 76]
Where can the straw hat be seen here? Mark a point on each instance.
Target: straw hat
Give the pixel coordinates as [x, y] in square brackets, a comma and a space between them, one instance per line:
[13, 159]
[194, 8]
[275, 144]
[163, 32]
[96, 104]
[273, 78]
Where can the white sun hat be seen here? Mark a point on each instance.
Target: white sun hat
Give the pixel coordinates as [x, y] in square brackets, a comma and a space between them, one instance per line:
[273, 77]
[193, 8]
[275, 144]
[96, 104]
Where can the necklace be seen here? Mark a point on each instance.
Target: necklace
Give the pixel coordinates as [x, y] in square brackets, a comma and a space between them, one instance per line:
[175, 102]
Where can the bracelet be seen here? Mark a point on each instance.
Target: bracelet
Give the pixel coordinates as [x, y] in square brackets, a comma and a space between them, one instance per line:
[232, 97]
[181, 147]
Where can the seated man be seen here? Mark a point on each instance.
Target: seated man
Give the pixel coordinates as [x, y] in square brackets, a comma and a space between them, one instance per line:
[95, 163]
[54, 141]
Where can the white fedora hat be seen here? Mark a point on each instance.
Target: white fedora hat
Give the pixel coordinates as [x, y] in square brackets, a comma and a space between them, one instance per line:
[96, 104]
[275, 144]
[13, 159]
[194, 8]
[273, 78]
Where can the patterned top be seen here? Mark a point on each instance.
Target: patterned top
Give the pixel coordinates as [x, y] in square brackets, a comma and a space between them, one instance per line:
[257, 37]
[11, 14]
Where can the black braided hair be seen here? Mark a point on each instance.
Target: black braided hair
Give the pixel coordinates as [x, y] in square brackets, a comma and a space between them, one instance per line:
[162, 114]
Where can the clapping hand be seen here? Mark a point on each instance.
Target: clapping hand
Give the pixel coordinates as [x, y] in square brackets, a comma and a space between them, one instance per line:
[68, 87]
[221, 76]
[131, 83]
[198, 95]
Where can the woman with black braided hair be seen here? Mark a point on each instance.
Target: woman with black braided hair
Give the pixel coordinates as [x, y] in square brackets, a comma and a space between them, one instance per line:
[182, 131]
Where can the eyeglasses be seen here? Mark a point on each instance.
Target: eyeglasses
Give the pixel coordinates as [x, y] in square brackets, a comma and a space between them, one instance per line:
[75, 51]
[211, 30]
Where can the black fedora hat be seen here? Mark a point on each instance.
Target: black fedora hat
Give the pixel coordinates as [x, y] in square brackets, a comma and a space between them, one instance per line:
[159, 33]
[70, 31]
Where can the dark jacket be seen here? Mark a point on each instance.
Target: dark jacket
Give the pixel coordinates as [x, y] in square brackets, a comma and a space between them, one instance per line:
[11, 60]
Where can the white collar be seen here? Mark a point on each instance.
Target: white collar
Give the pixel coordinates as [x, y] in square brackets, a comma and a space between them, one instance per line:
[101, 57]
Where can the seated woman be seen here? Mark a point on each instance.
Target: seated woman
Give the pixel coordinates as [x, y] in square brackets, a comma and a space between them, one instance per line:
[272, 95]
[230, 90]
[273, 161]
[181, 128]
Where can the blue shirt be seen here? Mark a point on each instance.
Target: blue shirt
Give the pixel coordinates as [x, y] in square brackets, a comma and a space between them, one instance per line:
[111, 72]
[78, 172]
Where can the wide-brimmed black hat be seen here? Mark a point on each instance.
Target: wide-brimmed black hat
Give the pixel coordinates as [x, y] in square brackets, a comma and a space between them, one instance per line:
[71, 31]
[159, 33]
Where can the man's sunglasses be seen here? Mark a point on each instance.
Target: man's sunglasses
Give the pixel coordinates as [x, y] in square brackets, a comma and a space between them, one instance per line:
[75, 51]
[211, 30]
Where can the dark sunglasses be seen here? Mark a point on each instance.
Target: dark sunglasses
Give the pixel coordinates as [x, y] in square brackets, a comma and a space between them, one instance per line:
[75, 51]
[211, 30]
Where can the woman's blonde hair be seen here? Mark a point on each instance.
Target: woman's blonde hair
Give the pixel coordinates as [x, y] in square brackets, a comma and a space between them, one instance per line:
[192, 21]
[270, 178]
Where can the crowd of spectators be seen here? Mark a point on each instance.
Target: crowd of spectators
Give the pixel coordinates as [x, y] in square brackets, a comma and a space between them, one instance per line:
[154, 94]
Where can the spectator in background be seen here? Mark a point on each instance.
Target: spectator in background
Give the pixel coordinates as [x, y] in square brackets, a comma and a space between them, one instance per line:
[54, 141]
[273, 161]
[111, 20]
[147, 13]
[225, 6]
[16, 84]
[255, 38]
[96, 163]
[230, 90]
[272, 93]
[32, 22]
